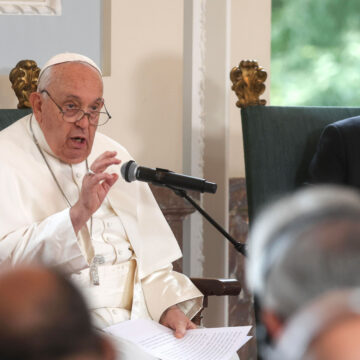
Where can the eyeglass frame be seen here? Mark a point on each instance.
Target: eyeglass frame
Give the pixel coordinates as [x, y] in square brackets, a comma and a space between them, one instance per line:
[88, 114]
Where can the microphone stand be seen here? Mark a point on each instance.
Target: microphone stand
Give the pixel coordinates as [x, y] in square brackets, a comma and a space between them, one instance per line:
[241, 248]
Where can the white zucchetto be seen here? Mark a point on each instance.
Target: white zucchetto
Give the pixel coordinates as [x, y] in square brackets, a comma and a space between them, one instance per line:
[68, 57]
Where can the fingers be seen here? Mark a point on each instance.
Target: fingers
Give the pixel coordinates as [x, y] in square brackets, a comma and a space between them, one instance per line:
[104, 161]
[104, 180]
[105, 155]
[175, 319]
[95, 187]
[180, 330]
[182, 326]
[109, 182]
[96, 178]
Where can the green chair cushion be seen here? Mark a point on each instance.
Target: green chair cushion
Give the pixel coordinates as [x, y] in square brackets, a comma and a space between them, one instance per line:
[8, 116]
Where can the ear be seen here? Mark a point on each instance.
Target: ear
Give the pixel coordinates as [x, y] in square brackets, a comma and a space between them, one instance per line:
[273, 323]
[36, 103]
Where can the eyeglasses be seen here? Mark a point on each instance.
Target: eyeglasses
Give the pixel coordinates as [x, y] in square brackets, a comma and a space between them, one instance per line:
[72, 114]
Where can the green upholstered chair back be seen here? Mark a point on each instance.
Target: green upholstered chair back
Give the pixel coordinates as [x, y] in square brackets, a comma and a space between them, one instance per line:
[8, 116]
[279, 143]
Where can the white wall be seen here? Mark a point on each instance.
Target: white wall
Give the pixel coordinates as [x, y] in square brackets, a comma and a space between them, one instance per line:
[144, 91]
[250, 39]
[38, 37]
[30, 33]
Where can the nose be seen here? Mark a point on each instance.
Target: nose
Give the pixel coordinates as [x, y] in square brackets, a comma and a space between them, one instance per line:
[84, 121]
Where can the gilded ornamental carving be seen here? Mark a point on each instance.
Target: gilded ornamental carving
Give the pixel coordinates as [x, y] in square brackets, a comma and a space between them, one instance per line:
[24, 77]
[248, 83]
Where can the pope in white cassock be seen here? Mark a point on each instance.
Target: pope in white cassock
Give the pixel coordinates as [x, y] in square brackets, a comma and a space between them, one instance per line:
[63, 204]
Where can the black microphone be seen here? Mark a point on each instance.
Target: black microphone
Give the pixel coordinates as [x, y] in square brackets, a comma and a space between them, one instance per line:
[131, 171]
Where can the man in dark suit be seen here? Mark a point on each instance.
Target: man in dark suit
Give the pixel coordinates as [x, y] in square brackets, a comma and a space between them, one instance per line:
[337, 159]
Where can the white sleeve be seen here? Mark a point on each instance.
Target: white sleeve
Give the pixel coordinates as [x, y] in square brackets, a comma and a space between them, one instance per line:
[51, 242]
[165, 288]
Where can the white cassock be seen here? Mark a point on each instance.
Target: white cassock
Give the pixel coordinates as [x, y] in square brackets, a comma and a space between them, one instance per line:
[129, 233]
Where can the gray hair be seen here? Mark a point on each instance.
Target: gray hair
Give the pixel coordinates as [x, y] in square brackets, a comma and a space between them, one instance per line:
[45, 79]
[303, 245]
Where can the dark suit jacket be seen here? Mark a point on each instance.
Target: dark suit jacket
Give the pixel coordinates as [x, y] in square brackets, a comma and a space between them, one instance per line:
[337, 159]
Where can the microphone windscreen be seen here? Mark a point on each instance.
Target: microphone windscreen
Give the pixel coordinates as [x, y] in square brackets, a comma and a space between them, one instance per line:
[128, 171]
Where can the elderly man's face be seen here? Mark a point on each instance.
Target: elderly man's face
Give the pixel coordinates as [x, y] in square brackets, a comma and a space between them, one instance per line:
[72, 85]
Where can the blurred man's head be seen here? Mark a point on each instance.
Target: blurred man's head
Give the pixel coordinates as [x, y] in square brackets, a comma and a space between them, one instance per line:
[328, 328]
[302, 246]
[339, 341]
[69, 105]
[43, 316]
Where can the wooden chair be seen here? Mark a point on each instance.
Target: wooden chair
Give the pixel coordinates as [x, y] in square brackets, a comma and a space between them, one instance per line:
[279, 141]
[24, 80]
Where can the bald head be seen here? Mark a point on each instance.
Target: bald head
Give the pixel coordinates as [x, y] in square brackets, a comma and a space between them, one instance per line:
[26, 295]
[326, 328]
[43, 316]
[338, 341]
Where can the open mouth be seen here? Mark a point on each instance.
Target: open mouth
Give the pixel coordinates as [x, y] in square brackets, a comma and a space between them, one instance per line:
[78, 142]
[78, 139]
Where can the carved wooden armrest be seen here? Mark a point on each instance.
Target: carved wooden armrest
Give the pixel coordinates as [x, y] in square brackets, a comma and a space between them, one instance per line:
[218, 287]
[214, 287]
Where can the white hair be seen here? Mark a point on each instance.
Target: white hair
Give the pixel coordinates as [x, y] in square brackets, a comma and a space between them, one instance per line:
[45, 80]
[291, 257]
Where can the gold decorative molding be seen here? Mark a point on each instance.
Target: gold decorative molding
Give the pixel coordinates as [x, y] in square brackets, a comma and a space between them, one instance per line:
[248, 83]
[30, 7]
[24, 77]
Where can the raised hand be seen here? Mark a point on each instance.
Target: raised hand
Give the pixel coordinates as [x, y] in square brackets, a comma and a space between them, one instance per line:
[102, 162]
[95, 186]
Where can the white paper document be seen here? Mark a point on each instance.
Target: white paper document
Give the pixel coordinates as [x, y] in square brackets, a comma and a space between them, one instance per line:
[198, 344]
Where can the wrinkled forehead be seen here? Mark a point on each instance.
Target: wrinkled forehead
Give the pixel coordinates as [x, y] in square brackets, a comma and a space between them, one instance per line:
[76, 69]
[70, 77]
[60, 67]
[68, 58]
